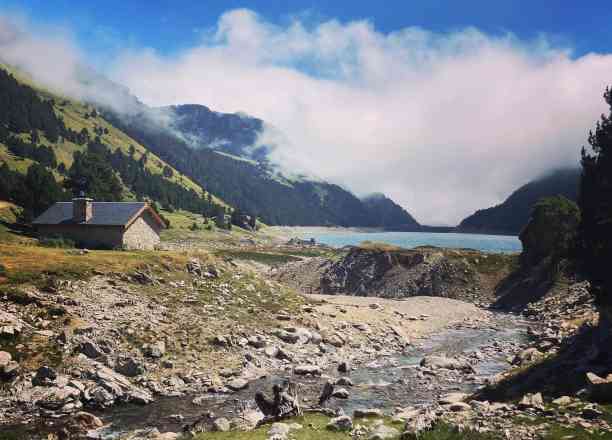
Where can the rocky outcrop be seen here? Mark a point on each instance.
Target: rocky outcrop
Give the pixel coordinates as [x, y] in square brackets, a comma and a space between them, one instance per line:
[398, 274]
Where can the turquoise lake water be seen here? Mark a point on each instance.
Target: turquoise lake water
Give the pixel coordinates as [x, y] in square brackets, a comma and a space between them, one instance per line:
[485, 243]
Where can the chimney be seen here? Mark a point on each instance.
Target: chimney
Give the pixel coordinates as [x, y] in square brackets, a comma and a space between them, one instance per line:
[82, 209]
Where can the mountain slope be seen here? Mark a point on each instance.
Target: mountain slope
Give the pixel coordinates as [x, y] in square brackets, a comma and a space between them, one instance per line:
[38, 127]
[232, 133]
[512, 215]
[250, 185]
[387, 213]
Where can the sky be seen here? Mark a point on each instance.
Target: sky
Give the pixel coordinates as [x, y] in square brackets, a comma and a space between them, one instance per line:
[444, 106]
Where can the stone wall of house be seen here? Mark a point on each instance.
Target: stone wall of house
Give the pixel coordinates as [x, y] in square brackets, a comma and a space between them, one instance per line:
[143, 233]
[106, 237]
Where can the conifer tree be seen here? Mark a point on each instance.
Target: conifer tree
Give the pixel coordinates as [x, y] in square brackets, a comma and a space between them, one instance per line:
[595, 203]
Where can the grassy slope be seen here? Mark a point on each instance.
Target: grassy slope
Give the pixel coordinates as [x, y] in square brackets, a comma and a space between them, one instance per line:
[73, 113]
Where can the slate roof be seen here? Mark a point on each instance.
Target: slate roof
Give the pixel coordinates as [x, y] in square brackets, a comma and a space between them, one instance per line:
[103, 214]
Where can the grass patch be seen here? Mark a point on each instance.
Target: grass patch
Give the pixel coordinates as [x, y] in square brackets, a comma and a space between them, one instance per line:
[314, 428]
[57, 242]
[259, 257]
[33, 264]
[379, 247]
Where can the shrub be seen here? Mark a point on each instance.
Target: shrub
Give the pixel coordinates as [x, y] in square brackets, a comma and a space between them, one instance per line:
[551, 231]
[57, 242]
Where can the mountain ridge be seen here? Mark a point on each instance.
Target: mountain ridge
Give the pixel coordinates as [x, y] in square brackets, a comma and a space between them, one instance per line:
[510, 216]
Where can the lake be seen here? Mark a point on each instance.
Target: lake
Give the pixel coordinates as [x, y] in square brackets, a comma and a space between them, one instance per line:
[485, 243]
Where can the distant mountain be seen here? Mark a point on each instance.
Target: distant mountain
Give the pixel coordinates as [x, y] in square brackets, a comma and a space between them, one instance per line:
[386, 213]
[216, 150]
[233, 133]
[512, 215]
[250, 185]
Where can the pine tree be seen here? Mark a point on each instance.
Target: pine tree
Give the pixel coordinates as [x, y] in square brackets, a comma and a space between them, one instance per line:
[595, 203]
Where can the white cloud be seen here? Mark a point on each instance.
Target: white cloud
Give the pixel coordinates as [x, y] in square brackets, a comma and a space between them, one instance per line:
[443, 123]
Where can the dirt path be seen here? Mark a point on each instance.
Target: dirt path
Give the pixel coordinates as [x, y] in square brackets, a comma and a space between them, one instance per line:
[414, 316]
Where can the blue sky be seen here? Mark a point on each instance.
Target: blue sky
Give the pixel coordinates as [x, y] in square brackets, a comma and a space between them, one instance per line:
[427, 101]
[169, 26]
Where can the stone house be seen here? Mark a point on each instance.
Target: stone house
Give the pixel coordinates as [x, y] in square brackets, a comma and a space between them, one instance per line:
[106, 225]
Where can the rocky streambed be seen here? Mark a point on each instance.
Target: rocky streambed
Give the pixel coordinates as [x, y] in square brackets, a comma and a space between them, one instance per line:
[457, 359]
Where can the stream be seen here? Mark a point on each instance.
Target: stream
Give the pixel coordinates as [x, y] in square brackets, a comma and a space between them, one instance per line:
[385, 383]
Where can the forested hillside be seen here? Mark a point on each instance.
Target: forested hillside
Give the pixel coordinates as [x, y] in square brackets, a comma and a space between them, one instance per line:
[512, 215]
[67, 146]
[386, 212]
[252, 186]
[231, 133]
[51, 147]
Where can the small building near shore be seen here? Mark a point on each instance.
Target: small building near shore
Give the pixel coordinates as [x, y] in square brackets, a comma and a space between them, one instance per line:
[105, 225]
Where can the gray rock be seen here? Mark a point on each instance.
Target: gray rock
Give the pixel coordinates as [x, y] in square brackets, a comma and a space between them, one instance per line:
[527, 356]
[383, 432]
[344, 367]
[221, 425]
[344, 381]
[340, 393]
[367, 412]
[257, 341]
[45, 376]
[562, 401]
[288, 337]
[154, 350]
[600, 388]
[130, 367]
[303, 370]
[459, 407]
[531, 401]
[238, 384]
[452, 398]
[342, 423]
[443, 362]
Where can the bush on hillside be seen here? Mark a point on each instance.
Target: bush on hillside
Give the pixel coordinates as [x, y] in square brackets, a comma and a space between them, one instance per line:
[551, 230]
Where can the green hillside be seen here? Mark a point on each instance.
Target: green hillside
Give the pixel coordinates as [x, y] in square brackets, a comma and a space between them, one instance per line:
[38, 127]
[512, 215]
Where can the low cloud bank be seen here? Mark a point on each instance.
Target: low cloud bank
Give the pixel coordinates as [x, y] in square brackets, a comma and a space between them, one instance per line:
[442, 123]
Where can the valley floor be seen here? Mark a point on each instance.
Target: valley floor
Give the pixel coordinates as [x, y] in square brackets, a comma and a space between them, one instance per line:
[194, 331]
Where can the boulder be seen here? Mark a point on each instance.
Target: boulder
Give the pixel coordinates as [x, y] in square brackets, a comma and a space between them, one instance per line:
[154, 350]
[459, 407]
[238, 384]
[443, 362]
[383, 432]
[367, 412]
[600, 388]
[90, 349]
[257, 341]
[45, 376]
[344, 381]
[221, 425]
[8, 367]
[562, 401]
[303, 370]
[452, 398]
[271, 351]
[527, 356]
[531, 401]
[340, 393]
[130, 367]
[288, 337]
[342, 423]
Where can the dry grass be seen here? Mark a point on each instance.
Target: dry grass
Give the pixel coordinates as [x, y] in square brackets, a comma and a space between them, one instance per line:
[376, 246]
[31, 263]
